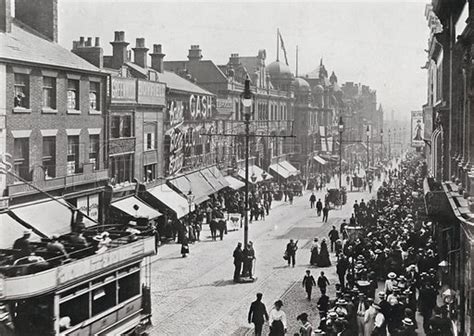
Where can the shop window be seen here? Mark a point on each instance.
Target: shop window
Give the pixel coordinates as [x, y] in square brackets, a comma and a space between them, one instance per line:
[129, 286]
[121, 126]
[49, 92]
[126, 126]
[22, 91]
[94, 144]
[115, 127]
[94, 96]
[21, 156]
[77, 309]
[72, 154]
[73, 94]
[49, 156]
[149, 141]
[104, 298]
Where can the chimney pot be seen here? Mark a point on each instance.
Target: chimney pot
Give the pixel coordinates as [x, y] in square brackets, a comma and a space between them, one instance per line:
[120, 54]
[157, 48]
[194, 53]
[89, 42]
[140, 42]
[97, 41]
[81, 41]
[75, 45]
[157, 58]
[119, 36]
[5, 16]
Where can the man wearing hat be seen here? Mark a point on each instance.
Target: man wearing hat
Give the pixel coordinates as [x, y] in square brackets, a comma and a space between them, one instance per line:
[380, 328]
[383, 303]
[258, 314]
[361, 308]
[23, 246]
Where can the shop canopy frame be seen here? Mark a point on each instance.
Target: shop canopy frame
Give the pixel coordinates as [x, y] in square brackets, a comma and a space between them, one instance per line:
[280, 170]
[171, 199]
[253, 169]
[126, 205]
[234, 183]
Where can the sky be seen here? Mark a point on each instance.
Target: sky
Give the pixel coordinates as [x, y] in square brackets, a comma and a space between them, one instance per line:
[379, 43]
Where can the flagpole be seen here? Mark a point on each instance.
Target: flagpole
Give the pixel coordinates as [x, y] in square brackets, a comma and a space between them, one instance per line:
[296, 61]
[278, 44]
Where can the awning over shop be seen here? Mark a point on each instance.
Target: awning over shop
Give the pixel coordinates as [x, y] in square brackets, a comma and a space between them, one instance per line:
[234, 183]
[171, 199]
[52, 217]
[288, 166]
[215, 178]
[320, 160]
[11, 230]
[195, 182]
[127, 205]
[254, 170]
[280, 170]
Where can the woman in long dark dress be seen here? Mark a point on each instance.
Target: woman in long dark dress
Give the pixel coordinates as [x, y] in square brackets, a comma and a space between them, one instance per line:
[323, 260]
[313, 261]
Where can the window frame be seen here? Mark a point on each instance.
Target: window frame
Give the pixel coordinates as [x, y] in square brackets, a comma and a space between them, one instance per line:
[69, 153]
[19, 164]
[52, 89]
[94, 151]
[24, 107]
[77, 106]
[97, 91]
[52, 157]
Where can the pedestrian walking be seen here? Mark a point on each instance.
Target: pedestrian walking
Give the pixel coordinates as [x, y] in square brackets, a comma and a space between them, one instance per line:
[341, 269]
[213, 228]
[323, 258]
[319, 207]
[238, 259]
[313, 261]
[323, 282]
[369, 318]
[306, 328]
[290, 252]
[258, 314]
[333, 237]
[325, 213]
[277, 320]
[380, 328]
[184, 246]
[308, 283]
[323, 306]
[370, 187]
[312, 200]
[361, 308]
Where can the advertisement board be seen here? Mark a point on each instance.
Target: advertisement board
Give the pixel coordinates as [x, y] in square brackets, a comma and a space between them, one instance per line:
[417, 129]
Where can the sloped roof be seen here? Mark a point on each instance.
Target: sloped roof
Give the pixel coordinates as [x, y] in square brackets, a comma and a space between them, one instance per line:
[204, 71]
[172, 80]
[24, 45]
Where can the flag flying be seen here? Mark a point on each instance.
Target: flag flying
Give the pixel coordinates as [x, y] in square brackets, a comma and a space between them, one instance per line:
[283, 47]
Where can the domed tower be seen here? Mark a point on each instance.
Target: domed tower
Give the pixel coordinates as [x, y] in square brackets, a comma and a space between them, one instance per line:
[280, 75]
[302, 90]
[333, 78]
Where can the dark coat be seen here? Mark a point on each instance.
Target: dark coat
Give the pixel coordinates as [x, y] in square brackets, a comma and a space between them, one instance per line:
[257, 312]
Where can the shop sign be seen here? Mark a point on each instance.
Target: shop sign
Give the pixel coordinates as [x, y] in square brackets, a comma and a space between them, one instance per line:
[174, 144]
[417, 129]
[123, 89]
[200, 107]
[152, 93]
[225, 105]
[175, 112]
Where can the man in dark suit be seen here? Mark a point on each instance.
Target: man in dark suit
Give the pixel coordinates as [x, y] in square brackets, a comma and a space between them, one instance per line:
[238, 260]
[258, 314]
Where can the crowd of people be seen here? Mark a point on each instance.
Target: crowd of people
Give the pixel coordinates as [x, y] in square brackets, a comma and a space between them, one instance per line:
[387, 267]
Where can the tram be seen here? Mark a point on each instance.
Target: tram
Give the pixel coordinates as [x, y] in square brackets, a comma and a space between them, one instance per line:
[85, 293]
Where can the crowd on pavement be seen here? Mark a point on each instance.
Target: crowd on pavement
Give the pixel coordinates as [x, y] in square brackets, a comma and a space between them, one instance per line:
[387, 267]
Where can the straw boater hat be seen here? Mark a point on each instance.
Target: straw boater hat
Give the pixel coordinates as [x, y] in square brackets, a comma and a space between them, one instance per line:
[407, 321]
[392, 275]
[341, 302]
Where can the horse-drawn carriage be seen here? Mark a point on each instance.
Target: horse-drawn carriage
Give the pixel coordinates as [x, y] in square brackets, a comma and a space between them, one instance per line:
[336, 197]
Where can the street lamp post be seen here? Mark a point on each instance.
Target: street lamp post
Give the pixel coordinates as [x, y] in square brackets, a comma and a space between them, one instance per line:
[368, 156]
[190, 197]
[247, 100]
[341, 130]
[389, 145]
[381, 144]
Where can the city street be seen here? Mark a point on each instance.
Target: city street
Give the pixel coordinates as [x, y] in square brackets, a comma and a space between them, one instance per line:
[196, 295]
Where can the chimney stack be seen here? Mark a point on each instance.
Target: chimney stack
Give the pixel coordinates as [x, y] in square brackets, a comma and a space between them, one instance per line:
[85, 50]
[41, 15]
[5, 16]
[140, 52]
[157, 58]
[195, 53]
[119, 50]
[234, 59]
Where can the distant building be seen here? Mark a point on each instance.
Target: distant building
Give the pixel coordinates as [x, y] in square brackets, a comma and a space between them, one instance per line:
[51, 119]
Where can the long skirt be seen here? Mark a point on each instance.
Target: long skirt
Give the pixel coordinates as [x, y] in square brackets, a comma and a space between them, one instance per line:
[277, 328]
[314, 257]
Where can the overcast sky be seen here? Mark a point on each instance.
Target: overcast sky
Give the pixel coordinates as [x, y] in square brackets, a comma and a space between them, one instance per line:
[378, 43]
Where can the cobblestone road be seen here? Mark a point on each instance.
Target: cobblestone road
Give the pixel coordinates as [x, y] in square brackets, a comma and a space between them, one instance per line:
[196, 295]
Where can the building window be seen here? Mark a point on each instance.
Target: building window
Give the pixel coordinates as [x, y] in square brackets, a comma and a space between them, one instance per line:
[72, 154]
[49, 156]
[22, 91]
[121, 127]
[149, 141]
[21, 158]
[73, 94]
[94, 96]
[121, 167]
[149, 172]
[49, 92]
[94, 143]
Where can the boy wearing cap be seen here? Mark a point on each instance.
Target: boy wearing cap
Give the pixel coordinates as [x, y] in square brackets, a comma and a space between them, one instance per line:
[308, 283]
[258, 314]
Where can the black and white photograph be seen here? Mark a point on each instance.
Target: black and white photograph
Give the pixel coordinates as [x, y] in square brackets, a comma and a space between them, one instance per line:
[236, 167]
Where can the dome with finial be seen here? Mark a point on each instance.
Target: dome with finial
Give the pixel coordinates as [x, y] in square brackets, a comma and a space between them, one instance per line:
[319, 72]
[318, 89]
[279, 69]
[301, 85]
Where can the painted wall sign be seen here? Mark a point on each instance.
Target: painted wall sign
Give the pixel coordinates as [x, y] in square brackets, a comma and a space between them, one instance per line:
[174, 144]
[175, 112]
[200, 107]
[225, 105]
[151, 93]
[123, 89]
